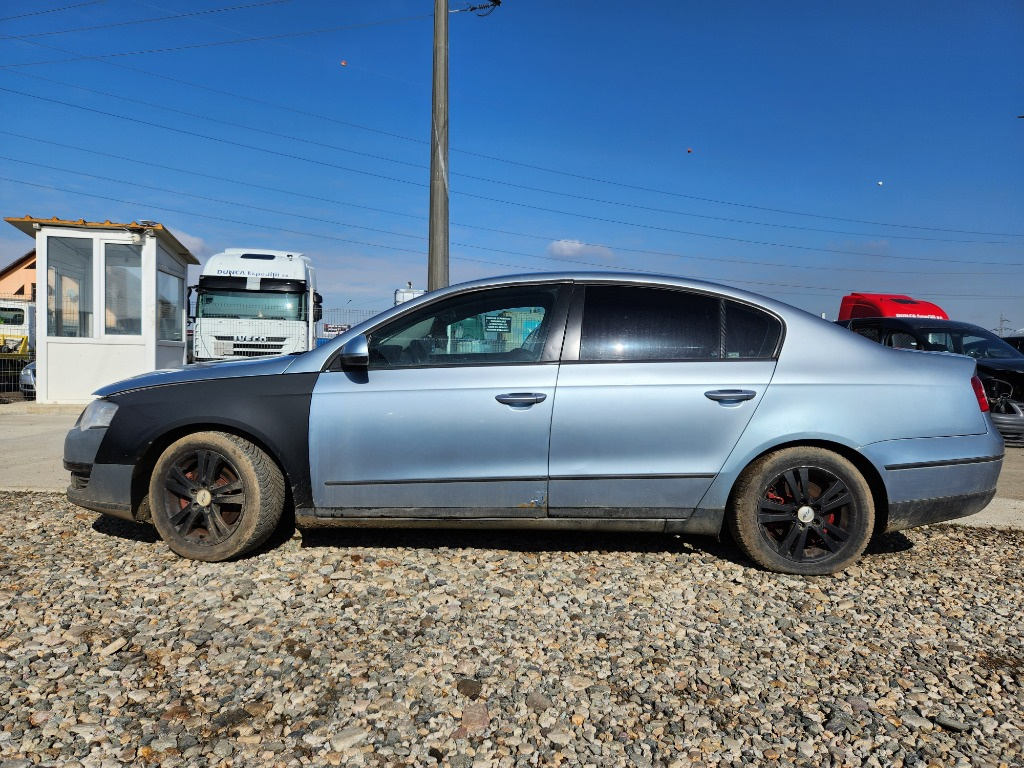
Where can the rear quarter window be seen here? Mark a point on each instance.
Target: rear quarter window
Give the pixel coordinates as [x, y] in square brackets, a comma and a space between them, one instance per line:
[750, 333]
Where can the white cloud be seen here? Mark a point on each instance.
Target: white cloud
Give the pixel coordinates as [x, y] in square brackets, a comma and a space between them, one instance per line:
[197, 245]
[574, 249]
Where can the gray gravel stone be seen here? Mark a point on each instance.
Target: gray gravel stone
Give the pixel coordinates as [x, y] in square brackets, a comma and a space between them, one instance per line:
[499, 650]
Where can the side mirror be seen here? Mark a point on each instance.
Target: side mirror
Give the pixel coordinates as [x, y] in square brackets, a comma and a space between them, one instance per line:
[356, 352]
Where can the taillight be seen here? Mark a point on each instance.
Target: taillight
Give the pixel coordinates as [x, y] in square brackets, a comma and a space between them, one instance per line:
[979, 392]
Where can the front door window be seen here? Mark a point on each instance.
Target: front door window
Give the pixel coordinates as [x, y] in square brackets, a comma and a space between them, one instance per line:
[484, 328]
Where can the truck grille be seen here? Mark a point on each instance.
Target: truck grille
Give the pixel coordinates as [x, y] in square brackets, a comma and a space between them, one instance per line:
[255, 347]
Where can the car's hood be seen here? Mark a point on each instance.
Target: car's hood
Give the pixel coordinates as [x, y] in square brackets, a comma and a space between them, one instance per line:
[264, 366]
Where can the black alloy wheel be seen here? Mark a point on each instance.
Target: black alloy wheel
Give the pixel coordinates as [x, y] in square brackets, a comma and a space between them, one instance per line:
[803, 510]
[214, 496]
[208, 490]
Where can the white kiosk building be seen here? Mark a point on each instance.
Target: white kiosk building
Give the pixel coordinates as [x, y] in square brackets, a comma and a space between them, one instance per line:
[114, 306]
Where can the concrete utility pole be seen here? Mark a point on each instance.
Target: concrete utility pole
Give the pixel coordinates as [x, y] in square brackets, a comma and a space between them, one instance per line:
[437, 248]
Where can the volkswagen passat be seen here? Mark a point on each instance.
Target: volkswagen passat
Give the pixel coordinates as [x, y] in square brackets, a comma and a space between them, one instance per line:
[562, 401]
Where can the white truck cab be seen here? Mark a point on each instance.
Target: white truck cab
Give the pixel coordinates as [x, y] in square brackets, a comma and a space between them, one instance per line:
[252, 302]
[17, 326]
[17, 336]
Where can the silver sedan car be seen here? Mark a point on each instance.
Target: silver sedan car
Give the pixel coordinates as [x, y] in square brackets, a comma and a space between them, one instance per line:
[569, 402]
[27, 381]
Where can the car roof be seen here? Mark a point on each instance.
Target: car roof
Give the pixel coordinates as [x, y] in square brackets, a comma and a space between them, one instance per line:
[924, 322]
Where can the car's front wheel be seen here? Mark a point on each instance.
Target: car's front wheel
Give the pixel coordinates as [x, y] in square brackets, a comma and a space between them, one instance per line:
[802, 510]
[214, 496]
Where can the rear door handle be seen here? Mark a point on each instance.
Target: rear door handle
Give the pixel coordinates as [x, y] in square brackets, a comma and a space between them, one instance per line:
[521, 398]
[730, 396]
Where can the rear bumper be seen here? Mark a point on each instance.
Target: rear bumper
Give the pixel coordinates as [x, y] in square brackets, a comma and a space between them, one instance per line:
[932, 480]
[911, 514]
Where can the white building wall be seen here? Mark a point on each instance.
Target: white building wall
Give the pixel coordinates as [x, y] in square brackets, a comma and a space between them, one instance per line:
[75, 370]
[70, 369]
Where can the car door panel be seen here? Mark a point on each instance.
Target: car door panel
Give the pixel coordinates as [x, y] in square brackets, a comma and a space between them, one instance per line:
[451, 416]
[420, 441]
[646, 439]
[655, 390]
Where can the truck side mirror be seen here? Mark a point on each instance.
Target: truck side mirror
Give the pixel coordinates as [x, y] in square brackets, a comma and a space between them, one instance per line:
[356, 352]
[318, 310]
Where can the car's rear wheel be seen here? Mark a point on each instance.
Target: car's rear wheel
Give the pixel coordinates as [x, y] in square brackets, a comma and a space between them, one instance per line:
[215, 496]
[802, 510]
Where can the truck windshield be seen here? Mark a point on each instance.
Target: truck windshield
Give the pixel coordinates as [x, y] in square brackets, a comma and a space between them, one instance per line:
[10, 316]
[263, 305]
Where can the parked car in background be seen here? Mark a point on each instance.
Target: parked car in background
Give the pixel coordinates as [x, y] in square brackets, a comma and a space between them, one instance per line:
[1016, 341]
[572, 402]
[1000, 366]
[27, 381]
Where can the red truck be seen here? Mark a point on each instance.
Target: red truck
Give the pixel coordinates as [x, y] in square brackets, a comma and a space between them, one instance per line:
[887, 305]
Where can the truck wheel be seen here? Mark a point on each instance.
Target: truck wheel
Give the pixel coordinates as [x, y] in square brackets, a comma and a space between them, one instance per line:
[802, 510]
[215, 496]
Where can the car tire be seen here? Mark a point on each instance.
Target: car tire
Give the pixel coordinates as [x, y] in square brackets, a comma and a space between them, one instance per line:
[214, 496]
[802, 510]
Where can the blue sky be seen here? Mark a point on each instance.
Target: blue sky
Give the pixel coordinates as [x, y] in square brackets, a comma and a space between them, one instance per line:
[737, 142]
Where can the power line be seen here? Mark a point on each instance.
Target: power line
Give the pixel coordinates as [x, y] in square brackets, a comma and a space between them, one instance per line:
[212, 199]
[211, 138]
[209, 23]
[420, 253]
[144, 21]
[194, 46]
[476, 178]
[200, 116]
[420, 237]
[252, 224]
[581, 177]
[529, 206]
[746, 241]
[229, 180]
[51, 10]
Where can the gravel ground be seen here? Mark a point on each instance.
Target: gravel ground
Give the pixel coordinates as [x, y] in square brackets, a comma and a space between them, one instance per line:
[501, 649]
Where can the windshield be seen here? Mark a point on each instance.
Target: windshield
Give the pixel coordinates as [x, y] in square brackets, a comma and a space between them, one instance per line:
[262, 305]
[10, 316]
[976, 344]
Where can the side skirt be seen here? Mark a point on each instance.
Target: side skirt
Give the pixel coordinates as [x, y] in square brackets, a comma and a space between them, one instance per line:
[705, 522]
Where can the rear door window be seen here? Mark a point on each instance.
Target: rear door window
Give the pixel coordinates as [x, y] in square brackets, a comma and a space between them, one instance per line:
[638, 323]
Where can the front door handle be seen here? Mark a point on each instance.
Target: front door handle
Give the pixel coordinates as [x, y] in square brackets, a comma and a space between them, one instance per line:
[521, 398]
[730, 396]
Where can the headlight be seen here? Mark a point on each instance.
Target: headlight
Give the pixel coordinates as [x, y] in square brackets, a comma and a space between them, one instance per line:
[98, 414]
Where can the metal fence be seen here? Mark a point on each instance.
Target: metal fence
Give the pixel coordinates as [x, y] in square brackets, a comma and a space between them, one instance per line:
[339, 320]
[16, 348]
